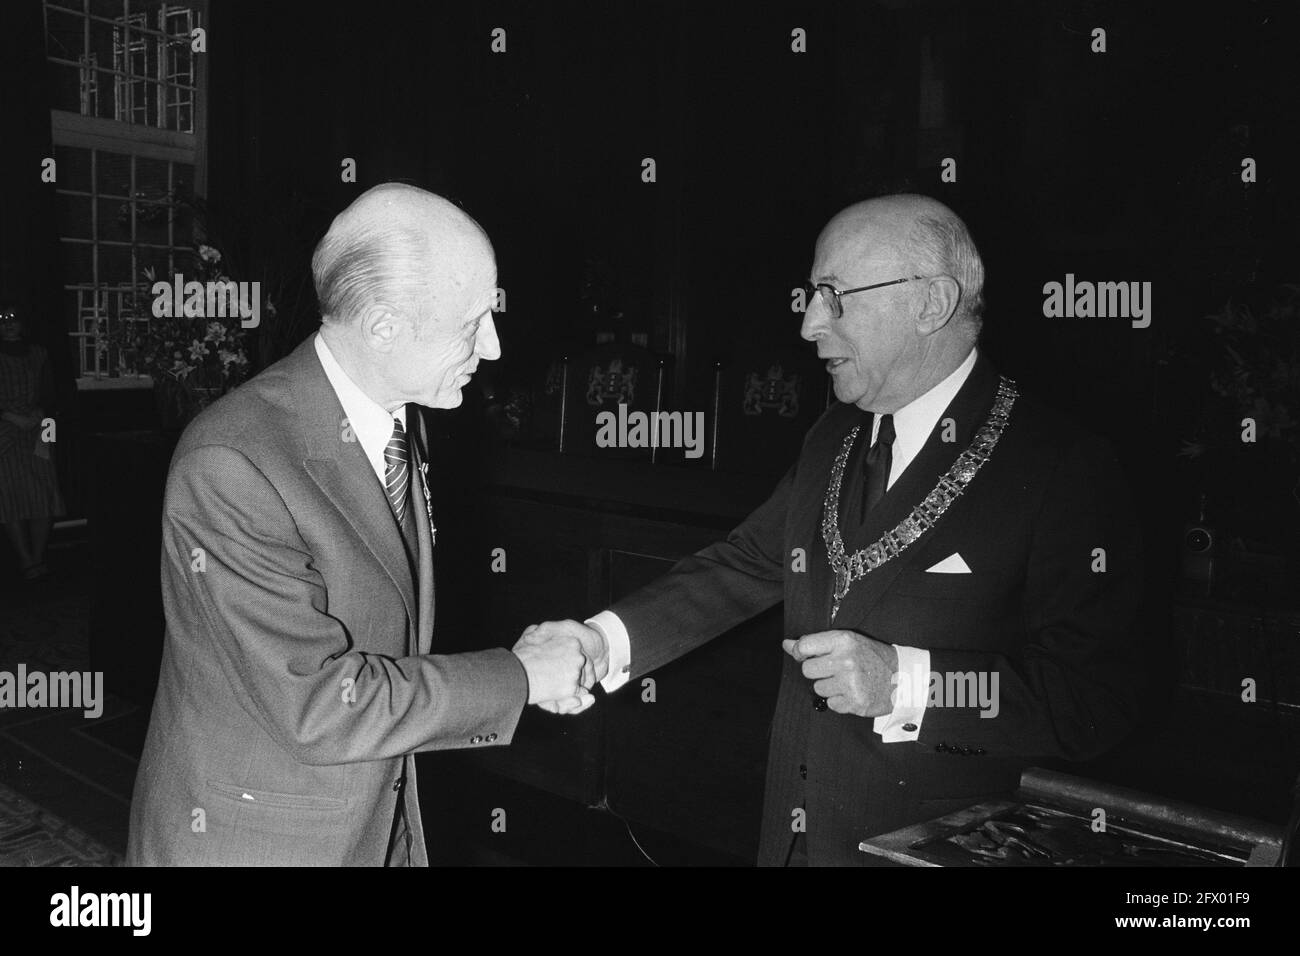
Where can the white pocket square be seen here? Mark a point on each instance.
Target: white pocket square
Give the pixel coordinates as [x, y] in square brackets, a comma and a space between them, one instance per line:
[953, 564]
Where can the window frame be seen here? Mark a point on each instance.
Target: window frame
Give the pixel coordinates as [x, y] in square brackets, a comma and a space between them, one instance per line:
[139, 141]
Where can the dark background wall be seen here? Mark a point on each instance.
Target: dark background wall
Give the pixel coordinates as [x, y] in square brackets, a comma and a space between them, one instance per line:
[1122, 166]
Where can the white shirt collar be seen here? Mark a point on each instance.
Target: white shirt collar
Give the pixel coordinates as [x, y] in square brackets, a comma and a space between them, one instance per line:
[914, 422]
[370, 422]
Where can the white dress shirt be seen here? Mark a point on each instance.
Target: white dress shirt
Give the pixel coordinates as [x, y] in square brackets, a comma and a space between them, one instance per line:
[369, 422]
[913, 424]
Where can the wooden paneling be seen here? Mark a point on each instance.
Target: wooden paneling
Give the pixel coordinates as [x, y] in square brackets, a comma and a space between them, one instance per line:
[689, 763]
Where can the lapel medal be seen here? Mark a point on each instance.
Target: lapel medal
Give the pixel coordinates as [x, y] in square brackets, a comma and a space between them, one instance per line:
[428, 502]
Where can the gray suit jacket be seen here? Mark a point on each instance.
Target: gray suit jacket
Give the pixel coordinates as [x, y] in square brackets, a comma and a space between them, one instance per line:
[297, 680]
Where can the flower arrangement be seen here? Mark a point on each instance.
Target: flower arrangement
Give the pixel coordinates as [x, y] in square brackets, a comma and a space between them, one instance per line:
[1240, 402]
[199, 352]
[193, 360]
[1255, 373]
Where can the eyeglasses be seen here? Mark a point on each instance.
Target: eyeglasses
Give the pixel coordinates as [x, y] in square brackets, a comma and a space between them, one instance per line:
[831, 295]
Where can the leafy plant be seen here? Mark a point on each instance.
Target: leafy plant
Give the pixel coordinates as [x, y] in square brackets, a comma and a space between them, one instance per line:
[1255, 373]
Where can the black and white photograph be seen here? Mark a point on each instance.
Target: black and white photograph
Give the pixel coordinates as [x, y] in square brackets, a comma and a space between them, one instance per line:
[647, 435]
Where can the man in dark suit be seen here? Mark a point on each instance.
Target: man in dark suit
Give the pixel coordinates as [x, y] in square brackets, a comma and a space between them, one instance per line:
[958, 565]
[298, 677]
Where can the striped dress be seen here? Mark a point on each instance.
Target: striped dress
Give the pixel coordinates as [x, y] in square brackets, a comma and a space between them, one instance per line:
[28, 485]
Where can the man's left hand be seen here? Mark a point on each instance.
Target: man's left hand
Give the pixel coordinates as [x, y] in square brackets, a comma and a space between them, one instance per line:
[854, 673]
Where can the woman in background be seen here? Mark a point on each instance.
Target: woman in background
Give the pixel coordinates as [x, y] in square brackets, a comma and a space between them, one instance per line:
[29, 489]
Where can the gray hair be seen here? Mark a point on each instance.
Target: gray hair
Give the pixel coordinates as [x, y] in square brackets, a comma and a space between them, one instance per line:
[943, 245]
[354, 267]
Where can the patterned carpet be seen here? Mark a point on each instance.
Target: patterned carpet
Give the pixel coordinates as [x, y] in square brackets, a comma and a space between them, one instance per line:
[48, 631]
[65, 781]
[30, 836]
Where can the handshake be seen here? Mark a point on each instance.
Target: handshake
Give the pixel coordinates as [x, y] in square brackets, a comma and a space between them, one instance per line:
[563, 660]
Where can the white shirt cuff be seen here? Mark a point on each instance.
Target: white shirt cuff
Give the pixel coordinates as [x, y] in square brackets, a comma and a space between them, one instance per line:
[620, 649]
[911, 690]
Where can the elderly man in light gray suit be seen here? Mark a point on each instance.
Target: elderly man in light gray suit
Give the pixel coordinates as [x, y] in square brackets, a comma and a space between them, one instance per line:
[297, 678]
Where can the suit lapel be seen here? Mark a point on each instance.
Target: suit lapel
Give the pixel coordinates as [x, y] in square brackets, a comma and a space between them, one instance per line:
[352, 489]
[810, 599]
[968, 410]
[342, 471]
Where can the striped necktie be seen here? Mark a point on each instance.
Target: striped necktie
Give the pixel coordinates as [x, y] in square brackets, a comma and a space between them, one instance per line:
[397, 470]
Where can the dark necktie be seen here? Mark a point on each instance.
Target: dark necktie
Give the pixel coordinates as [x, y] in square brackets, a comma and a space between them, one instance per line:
[879, 459]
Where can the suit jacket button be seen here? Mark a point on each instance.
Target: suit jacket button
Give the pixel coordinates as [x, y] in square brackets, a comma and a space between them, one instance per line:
[491, 738]
[979, 751]
[476, 739]
[941, 748]
[803, 771]
[909, 728]
[397, 785]
[820, 705]
[965, 751]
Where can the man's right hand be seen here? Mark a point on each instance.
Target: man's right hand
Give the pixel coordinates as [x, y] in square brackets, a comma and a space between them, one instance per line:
[554, 664]
[595, 651]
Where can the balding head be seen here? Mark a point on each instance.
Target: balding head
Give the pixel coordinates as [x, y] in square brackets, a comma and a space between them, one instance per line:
[924, 233]
[406, 281]
[396, 244]
[894, 342]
